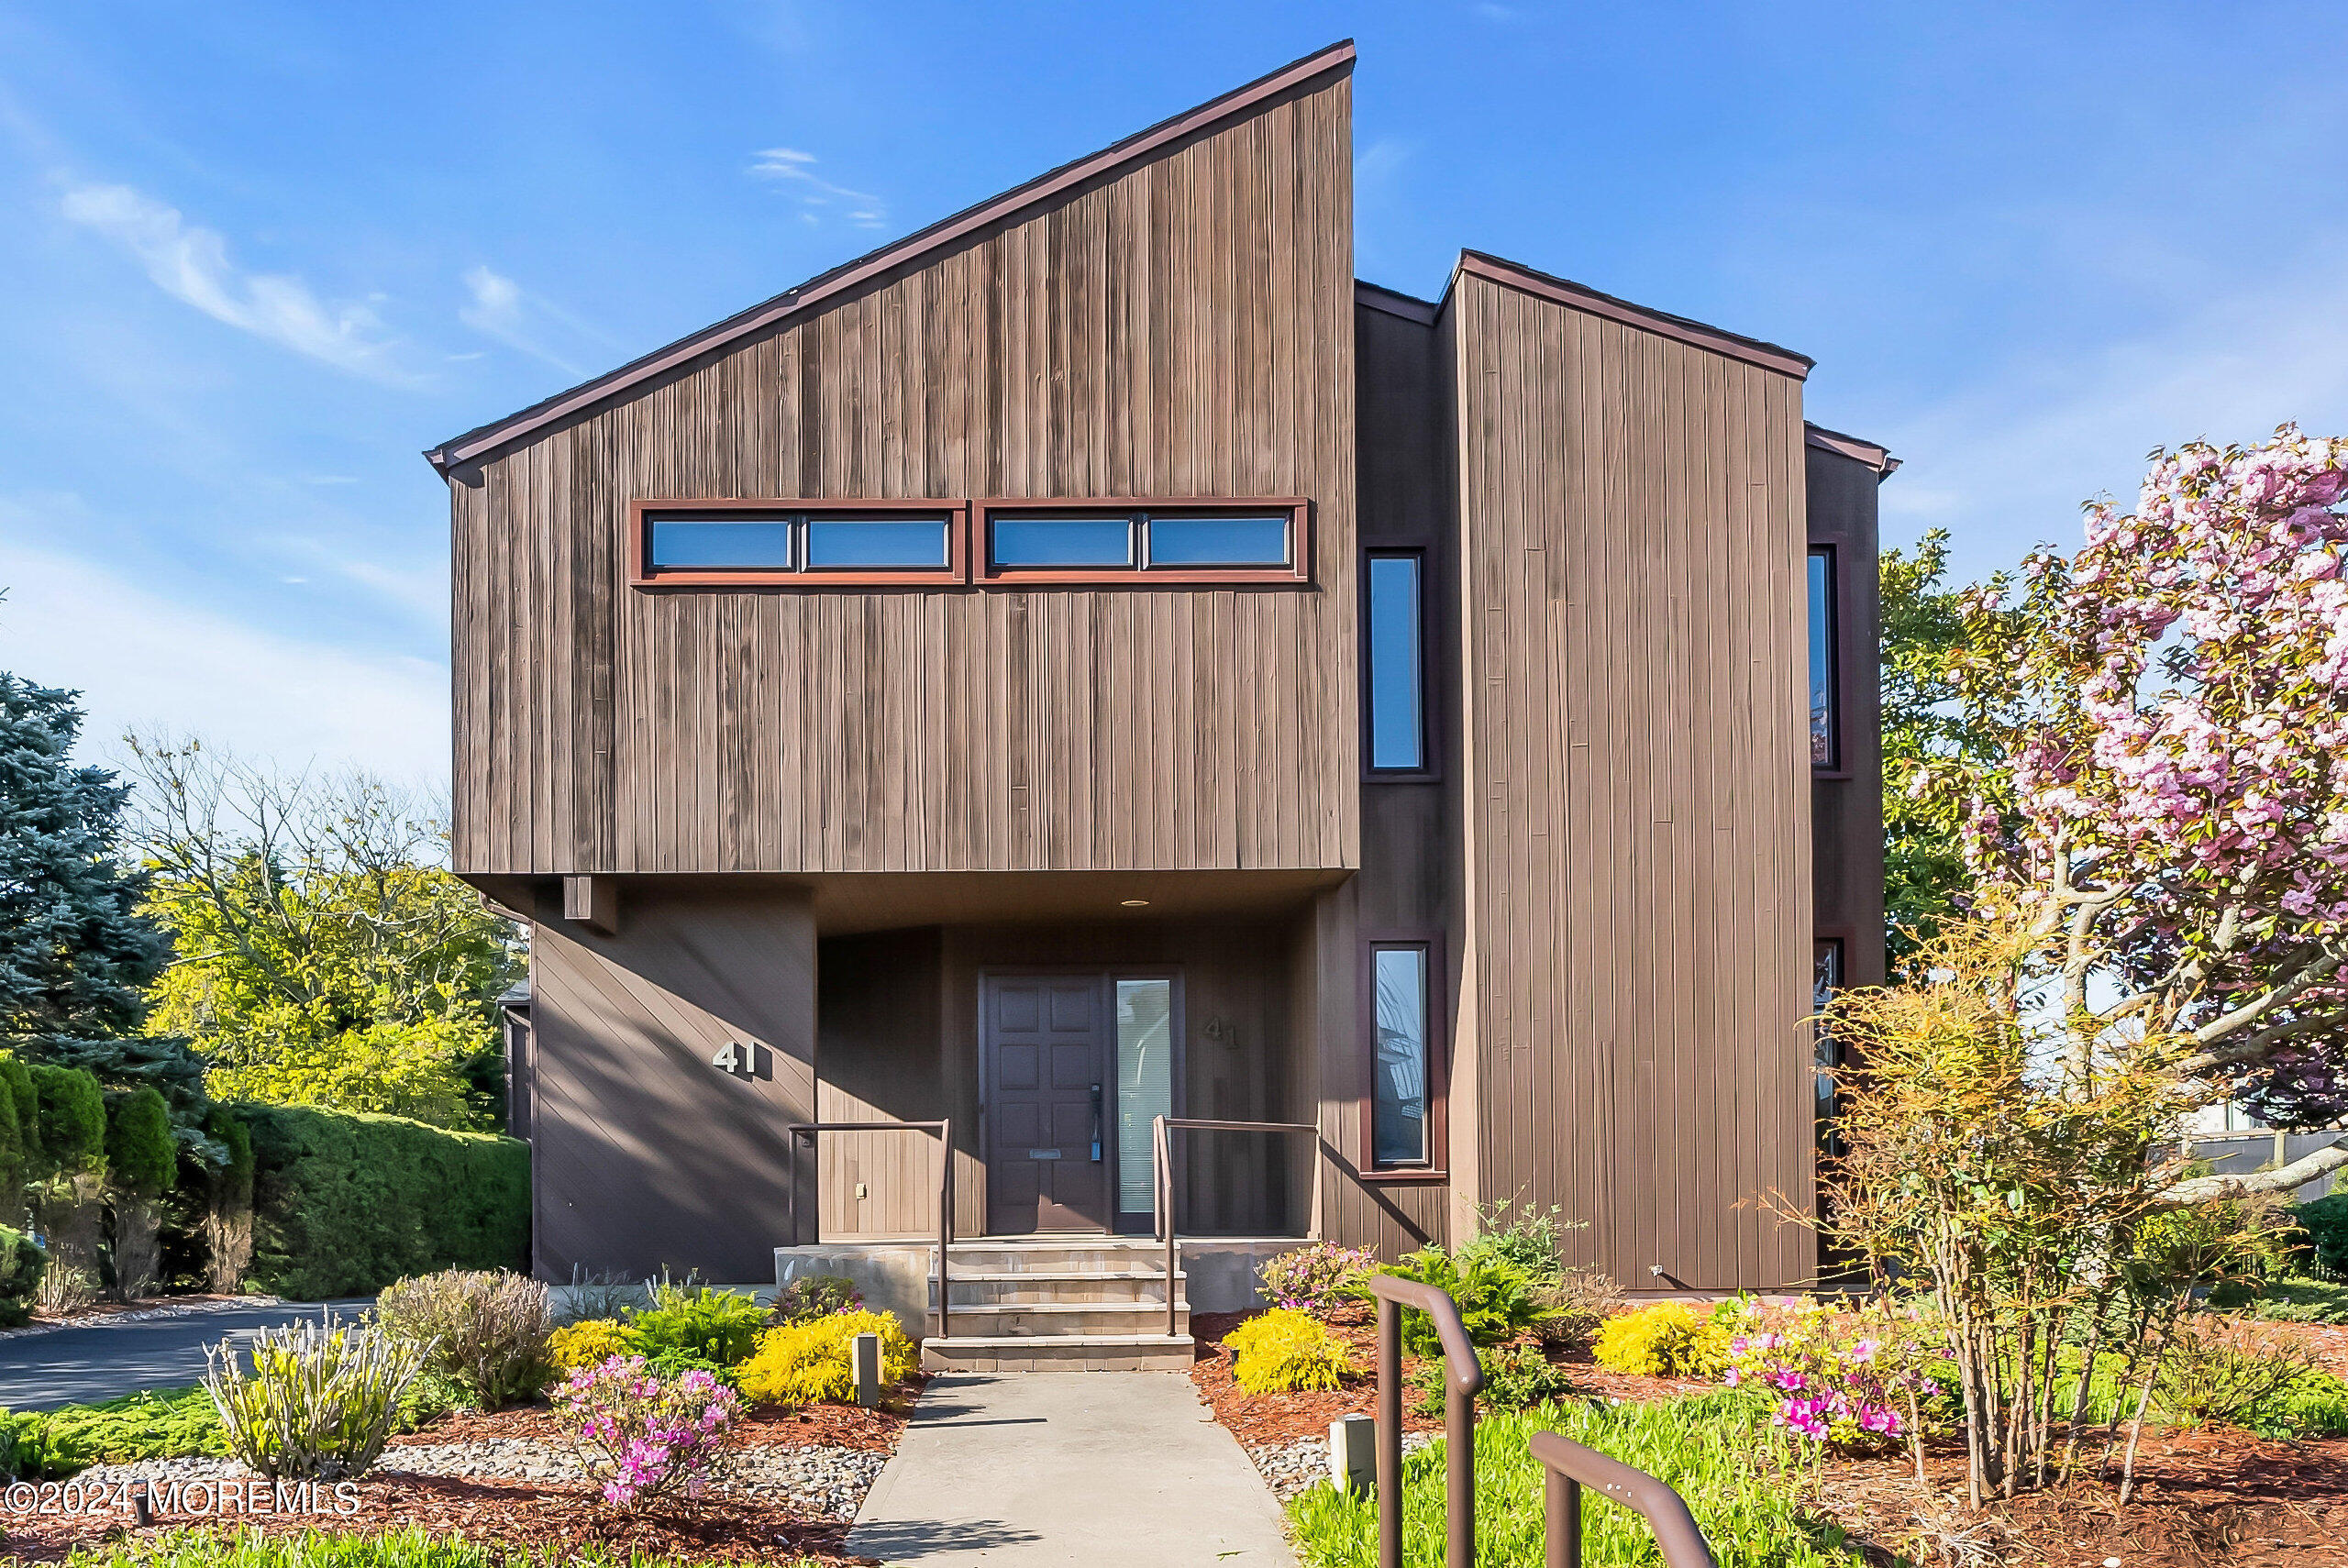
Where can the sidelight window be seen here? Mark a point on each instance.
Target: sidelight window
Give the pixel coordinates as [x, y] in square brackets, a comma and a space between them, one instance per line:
[1405, 1099]
[1826, 980]
[1144, 1085]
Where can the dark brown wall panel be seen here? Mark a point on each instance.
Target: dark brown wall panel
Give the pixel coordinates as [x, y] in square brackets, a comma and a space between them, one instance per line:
[644, 1155]
[1183, 329]
[1635, 789]
[1847, 807]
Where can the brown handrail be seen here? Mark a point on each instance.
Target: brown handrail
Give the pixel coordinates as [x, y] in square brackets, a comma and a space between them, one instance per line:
[1463, 1379]
[945, 1130]
[1568, 1466]
[1161, 1154]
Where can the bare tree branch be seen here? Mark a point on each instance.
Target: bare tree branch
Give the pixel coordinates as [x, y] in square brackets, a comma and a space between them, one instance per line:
[2286, 1178]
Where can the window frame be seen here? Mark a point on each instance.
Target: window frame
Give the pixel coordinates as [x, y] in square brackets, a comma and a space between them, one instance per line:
[1826, 1051]
[1438, 1166]
[1429, 770]
[642, 573]
[1837, 700]
[1297, 572]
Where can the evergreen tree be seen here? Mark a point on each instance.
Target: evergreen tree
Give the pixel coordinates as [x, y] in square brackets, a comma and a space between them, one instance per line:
[75, 950]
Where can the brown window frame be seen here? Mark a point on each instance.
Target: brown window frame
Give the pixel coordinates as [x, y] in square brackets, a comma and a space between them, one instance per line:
[642, 573]
[1296, 573]
[1438, 1166]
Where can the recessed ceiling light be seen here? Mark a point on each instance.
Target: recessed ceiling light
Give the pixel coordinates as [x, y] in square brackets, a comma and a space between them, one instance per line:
[1136, 903]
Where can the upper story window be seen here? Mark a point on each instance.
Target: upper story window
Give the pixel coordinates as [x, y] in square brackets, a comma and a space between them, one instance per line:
[1825, 698]
[1394, 660]
[1112, 542]
[802, 544]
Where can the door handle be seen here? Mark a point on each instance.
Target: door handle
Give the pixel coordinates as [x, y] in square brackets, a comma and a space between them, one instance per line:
[1096, 1124]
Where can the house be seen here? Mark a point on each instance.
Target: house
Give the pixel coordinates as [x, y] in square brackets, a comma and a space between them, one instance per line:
[1095, 660]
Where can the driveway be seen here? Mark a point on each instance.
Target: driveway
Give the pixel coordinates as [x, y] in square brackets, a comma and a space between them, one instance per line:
[107, 1360]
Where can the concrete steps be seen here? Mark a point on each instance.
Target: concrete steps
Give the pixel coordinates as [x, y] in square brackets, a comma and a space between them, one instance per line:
[1062, 1304]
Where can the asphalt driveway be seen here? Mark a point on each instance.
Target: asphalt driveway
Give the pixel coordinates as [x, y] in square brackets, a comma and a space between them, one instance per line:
[106, 1360]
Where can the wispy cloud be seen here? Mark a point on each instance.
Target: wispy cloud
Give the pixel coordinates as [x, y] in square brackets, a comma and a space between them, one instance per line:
[817, 196]
[191, 263]
[501, 308]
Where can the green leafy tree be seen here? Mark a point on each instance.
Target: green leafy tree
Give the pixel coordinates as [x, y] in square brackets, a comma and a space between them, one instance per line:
[142, 1159]
[75, 948]
[324, 956]
[67, 1164]
[1946, 648]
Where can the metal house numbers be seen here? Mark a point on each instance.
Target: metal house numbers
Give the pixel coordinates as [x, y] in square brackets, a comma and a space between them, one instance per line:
[738, 1058]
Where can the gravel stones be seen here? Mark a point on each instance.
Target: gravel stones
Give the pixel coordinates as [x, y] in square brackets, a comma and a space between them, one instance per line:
[1290, 1468]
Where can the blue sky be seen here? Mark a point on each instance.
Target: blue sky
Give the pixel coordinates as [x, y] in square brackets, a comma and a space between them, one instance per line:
[256, 257]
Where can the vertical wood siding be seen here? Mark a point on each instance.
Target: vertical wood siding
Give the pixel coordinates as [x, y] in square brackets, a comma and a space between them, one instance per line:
[1185, 328]
[1636, 795]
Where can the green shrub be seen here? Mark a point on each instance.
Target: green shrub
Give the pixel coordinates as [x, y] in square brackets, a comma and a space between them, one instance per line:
[812, 1361]
[718, 1326]
[816, 1296]
[1532, 1240]
[1513, 1380]
[1283, 1349]
[70, 1122]
[1495, 1298]
[22, 1261]
[2296, 1299]
[485, 1331]
[2228, 1372]
[1719, 1451]
[2325, 1220]
[171, 1423]
[2314, 1407]
[141, 1157]
[345, 1202]
[318, 1400]
[671, 1365]
[1669, 1339]
[17, 1117]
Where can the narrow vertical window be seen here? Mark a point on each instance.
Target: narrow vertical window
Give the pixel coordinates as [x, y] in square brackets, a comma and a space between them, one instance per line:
[1825, 719]
[1144, 1085]
[1826, 980]
[1393, 656]
[1401, 1061]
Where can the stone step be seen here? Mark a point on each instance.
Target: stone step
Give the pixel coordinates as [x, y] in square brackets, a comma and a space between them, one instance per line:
[1056, 1285]
[1056, 1320]
[1074, 1353]
[1060, 1257]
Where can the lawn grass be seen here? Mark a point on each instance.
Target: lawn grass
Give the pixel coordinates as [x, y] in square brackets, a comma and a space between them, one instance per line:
[1739, 1474]
[321, 1549]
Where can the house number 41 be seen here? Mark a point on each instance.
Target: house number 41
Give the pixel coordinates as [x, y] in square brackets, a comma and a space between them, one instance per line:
[738, 1057]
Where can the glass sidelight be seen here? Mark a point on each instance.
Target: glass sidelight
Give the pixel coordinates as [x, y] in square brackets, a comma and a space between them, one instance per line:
[1145, 1083]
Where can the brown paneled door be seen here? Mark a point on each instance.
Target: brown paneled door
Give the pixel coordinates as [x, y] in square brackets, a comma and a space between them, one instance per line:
[1045, 1042]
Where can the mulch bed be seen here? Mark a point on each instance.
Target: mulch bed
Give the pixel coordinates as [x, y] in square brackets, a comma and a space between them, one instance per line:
[524, 1514]
[550, 1514]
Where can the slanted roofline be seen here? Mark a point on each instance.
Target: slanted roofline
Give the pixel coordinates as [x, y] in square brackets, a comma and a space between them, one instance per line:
[1515, 275]
[1336, 59]
[1876, 458]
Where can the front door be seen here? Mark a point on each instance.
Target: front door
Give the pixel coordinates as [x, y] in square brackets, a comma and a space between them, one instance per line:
[1045, 1043]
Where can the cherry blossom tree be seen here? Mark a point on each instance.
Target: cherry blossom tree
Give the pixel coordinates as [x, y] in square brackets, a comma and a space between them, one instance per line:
[2173, 808]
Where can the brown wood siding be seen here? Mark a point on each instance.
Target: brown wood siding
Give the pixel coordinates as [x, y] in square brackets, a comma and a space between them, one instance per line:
[1183, 329]
[1636, 789]
[644, 1155]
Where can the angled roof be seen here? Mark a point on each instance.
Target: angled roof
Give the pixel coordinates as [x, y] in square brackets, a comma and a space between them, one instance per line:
[1752, 350]
[1879, 458]
[1337, 58]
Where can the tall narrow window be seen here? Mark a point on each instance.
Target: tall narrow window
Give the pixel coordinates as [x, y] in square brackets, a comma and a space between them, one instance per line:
[1825, 717]
[1826, 980]
[1394, 660]
[1402, 1061]
[1144, 1085]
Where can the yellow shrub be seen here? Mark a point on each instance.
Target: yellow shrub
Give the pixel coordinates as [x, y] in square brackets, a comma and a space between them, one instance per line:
[591, 1341]
[803, 1363]
[1666, 1340]
[1284, 1349]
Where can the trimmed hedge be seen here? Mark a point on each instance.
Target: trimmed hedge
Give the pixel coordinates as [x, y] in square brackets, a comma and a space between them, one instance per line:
[345, 1203]
[2326, 1223]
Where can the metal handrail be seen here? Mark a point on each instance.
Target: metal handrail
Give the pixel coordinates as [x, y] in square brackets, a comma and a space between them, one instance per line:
[1463, 1379]
[1568, 1466]
[945, 1130]
[1161, 1154]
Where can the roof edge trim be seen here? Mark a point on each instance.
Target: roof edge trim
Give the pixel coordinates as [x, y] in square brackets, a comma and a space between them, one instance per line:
[1394, 302]
[1337, 58]
[1579, 296]
[1855, 447]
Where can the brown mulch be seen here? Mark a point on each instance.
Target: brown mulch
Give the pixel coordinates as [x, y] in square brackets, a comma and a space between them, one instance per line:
[2204, 1498]
[2328, 1342]
[97, 1309]
[764, 1426]
[523, 1514]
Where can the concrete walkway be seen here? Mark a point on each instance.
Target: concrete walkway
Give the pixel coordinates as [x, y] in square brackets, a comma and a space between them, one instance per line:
[1040, 1469]
[107, 1360]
